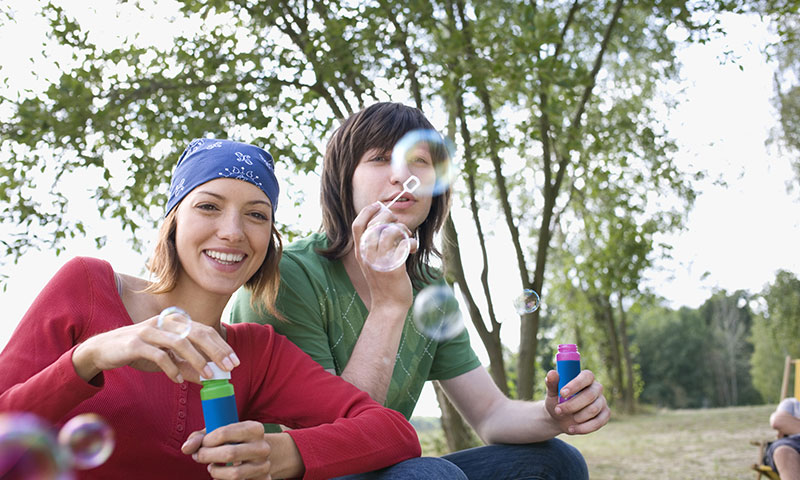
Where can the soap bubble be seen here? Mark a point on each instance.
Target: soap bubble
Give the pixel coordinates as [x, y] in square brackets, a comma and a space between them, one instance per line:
[427, 155]
[29, 450]
[385, 246]
[176, 321]
[436, 313]
[527, 302]
[89, 440]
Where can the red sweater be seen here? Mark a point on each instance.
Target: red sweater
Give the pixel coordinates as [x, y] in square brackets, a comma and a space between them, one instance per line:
[337, 428]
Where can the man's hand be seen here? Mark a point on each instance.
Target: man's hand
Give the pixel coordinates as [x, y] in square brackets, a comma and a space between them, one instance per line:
[586, 412]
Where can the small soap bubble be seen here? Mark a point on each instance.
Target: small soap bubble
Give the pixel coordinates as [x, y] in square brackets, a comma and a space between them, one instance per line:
[527, 302]
[29, 450]
[385, 246]
[428, 156]
[176, 321]
[88, 439]
[436, 313]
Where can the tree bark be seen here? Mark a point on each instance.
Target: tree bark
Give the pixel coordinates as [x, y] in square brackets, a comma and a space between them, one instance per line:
[457, 433]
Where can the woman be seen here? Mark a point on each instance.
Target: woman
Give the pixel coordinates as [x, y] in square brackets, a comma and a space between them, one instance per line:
[90, 343]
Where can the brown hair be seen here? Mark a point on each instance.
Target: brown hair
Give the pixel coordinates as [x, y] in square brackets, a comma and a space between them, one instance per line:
[165, 265]
[379, 126]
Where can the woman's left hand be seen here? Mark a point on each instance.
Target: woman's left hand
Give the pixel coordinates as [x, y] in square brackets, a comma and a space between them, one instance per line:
[586, 409]
[238, 450]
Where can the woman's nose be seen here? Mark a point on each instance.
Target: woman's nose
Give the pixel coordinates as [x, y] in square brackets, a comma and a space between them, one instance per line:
[230, 227]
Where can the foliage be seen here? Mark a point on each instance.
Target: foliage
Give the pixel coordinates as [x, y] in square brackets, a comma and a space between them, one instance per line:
[784, 16]
[775, 334]
[730, 322]
[672, 358]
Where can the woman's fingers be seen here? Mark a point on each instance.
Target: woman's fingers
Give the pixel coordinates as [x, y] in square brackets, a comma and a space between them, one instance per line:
[239, 450]
[203, 344]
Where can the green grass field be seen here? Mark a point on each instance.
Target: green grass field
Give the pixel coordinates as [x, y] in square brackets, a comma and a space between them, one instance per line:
[669, 444]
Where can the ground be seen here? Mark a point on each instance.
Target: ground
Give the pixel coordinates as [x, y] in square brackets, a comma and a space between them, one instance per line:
[668, 444]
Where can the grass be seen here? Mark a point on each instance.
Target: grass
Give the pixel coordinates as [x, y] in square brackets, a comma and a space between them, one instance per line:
[669, 444]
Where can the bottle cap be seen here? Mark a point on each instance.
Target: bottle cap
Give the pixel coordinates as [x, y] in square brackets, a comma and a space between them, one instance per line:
[217, 373]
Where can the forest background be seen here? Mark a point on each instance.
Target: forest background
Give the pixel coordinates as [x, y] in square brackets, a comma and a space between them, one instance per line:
[572, 180]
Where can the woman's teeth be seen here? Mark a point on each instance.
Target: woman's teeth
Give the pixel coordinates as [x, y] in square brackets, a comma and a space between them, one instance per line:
[227, 258]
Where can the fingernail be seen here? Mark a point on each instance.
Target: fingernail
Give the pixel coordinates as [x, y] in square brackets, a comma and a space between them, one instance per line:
[564, 393]
[194, 457]
[234, 359]
[571, 429]
[226, 362]
[558, 410]
[207, 373]
[179, 378]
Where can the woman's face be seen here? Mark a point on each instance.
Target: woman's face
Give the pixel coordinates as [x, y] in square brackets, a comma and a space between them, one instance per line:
[223, 230]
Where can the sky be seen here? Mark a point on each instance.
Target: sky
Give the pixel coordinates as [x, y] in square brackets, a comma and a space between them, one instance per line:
[738, 234]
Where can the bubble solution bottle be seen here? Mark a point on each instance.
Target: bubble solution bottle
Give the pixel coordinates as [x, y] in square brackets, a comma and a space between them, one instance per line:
[219, 404]
[568, 365]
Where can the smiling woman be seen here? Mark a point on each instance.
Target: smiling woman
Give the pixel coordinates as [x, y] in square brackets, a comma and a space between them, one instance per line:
[68, 354]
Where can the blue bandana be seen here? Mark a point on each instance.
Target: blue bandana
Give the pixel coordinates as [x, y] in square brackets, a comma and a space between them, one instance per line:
[207, 159]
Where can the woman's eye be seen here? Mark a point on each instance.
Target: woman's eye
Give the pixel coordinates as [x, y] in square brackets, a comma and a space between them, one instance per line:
[207, 206]
[260, 216]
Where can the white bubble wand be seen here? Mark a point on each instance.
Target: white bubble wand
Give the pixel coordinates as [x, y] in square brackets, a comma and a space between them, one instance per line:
[409, 186]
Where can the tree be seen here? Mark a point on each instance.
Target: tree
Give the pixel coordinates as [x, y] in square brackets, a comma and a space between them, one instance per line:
[784, 16]
[775, 332]
[543, 99]
[729, 348]
[672, 357]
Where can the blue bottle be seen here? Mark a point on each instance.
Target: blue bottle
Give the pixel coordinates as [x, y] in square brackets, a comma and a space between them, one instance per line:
[217, 398]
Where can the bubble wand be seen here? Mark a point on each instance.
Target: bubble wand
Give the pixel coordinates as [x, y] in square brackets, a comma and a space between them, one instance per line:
[409, 186]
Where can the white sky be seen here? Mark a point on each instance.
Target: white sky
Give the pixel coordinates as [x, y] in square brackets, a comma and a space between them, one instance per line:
[737, 237]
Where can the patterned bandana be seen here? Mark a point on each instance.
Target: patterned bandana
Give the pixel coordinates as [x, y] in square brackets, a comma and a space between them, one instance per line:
[207, 159]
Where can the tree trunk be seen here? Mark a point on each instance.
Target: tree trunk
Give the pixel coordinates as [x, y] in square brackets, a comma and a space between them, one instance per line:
[457, 433]
[491, 339]
[628, 395]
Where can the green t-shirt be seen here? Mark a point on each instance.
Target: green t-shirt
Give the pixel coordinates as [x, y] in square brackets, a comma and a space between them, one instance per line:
[325, 315]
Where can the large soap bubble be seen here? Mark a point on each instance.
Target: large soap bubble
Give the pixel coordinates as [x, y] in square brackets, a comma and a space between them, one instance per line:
[385, 246]
[428, 156]
[436, 313]
[89, 440]
[527, 302]
[175, 321]
[29, 450]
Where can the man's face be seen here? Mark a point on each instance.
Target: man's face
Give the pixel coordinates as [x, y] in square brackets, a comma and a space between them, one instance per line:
[375, 179]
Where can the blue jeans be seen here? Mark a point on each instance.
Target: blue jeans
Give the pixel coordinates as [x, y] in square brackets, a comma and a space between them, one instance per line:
[551, 460]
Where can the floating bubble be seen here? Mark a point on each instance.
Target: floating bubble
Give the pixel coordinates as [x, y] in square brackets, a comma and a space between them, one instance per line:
[428, 156]
[436, 313]
[527, 302]
[385, 246]
[176, 321]
[29, 450]
[89, 440]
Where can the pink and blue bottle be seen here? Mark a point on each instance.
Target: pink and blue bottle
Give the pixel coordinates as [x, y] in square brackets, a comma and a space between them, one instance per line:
[568, 365]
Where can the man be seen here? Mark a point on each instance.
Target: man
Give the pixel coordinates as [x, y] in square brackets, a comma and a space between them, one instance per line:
[783, 455]
[354, 320]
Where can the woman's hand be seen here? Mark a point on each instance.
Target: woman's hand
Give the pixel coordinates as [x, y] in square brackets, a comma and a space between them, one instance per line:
[387, 289]
[146, 347]
[242, 450]
[586, 412]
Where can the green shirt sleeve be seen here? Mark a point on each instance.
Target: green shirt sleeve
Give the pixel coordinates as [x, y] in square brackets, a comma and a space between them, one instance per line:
[453, 358]
[298, 302]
